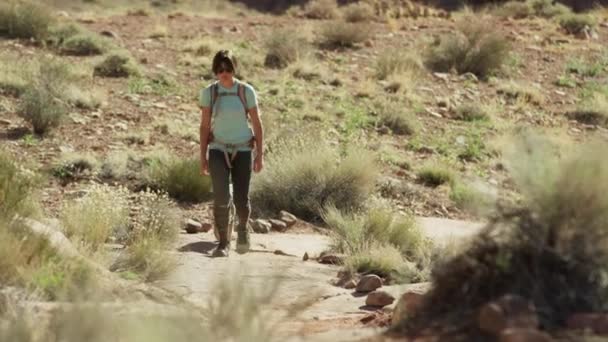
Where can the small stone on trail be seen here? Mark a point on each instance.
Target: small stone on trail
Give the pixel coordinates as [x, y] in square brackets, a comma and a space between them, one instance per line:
[205, 227]
[379, 298]
[305, 257]
[369, 283]
[278, 225]
[351, 284]
[261, 226]
[193, 227]
[288, 218]
[407, 305]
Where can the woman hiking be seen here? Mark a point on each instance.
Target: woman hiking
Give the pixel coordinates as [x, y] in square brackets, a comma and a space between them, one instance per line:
[231, 139]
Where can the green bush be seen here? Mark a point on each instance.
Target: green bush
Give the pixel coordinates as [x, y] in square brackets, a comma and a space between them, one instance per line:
[322, 9]
[24, 19]
[92, 220]
[592, 111]
[181, 179]
[548, 8]
[515, 9]
[358, 12]
[42, 104]
[476, 48]
[116, 65]
[435, 175]
[472, 112]
[390, 63]
[551, 248]
[302, 176]
[397, 117]
[576, 23]
[283, 48]
[15, 188]
[370, 240]
[83, 44]
[340, 34]
[154, 228]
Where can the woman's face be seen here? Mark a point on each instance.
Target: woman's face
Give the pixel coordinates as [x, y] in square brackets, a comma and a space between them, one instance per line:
[224, 73]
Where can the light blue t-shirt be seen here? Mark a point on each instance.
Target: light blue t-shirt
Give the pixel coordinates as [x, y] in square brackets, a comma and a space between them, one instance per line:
[229, 122]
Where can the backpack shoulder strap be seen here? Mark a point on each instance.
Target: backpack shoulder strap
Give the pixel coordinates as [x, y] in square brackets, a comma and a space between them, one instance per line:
[214, 94]
[241, 93]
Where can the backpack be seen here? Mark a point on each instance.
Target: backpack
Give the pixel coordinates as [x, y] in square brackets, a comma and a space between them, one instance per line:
[215, 94]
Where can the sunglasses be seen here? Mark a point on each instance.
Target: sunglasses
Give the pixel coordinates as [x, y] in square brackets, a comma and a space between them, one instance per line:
[224, 69]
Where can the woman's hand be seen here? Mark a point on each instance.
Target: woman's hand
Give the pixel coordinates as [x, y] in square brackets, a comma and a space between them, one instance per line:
[204, 166]
[258, 163]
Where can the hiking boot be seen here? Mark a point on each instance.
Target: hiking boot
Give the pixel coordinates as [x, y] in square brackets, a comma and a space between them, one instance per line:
[242, 240]
[221, 250]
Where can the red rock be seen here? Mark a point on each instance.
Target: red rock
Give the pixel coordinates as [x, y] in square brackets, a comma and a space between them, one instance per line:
[408, 304]
[369, 283]
[332, 259]
[379, 298]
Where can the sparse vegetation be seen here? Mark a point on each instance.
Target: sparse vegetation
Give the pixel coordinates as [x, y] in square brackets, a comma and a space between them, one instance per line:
[576, 23]
[435, 175]
[400, 119]
[524, 92]
[302, 176]
[92, 220]
[550, 248]
[380, 242]
[180, 178]
[42, 104]
[340, 34]
[283, 48]
[153, 230]
[358, 12]
[472, 112]
[476, 48]
[322, 9]
[116, 65]
[592, 111]
[83, 44]
[24, 19]
[390, 63]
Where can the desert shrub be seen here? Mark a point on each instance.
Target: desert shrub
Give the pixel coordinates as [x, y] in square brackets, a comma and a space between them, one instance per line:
[472, 112]
[521, 92]
[180, 178]
[397, 117]
[16, 186]
[73, 167]
[592, 111]
[476, 48]
[12, 74]
[322, 9]
[358, 12]
[340, 34]
[302, 176]
[576, 23]
[154, 228]
[42, 103]
[390, 62]
[434, 175]
[548, 8]
[370, 240]
[283, 48]
[102, 213]
[83, 44]
[515, 9]
[550, 248]
[24, 19]
[116, 65]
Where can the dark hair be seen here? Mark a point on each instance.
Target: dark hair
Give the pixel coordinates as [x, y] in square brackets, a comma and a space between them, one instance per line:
[224, 57]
